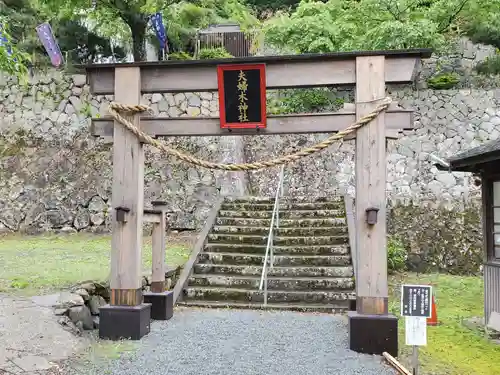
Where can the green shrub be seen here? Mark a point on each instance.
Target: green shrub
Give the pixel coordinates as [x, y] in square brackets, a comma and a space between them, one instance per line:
[489, 66]
[304, 100]
[214, 53]
[443, 81]
[308, 100]
[180, 56]
[396, 256]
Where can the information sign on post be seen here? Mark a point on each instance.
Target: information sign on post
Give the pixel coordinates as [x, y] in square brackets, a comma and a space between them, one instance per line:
[416, 304]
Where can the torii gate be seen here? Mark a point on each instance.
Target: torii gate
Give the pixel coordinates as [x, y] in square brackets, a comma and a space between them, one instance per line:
[372, 329]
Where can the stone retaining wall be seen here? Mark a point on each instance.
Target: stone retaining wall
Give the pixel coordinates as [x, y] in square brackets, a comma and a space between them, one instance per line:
[54, 175]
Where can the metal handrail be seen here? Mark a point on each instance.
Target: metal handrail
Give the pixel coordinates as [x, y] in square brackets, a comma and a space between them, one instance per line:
[270, 238]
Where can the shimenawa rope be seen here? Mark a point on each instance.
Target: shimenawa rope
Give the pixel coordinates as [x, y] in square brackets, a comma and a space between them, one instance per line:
[116, 108]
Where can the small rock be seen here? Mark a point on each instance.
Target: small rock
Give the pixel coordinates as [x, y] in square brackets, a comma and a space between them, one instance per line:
[88, 286]
[102, 290]
[205, 111]
[174, 112]
[96, 322]
[97, 208]
[79, 79]
[69, 326]
[79, 326]
[81, 314]
[193, 111]
[82, 219]
[179, 98]
[67, 229]
[94, 304]
[67, 300]
[206, 95]
[63, 118]
[76, 91]
[171, 271]
[193, 100]
[156, 98]
[163, 105]
[83, 293]
[168, 284]
[77, 103]
[60, 312]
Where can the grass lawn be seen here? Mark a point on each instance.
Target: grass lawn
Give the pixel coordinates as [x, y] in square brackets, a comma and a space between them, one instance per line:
[33, 264]
[452, 349]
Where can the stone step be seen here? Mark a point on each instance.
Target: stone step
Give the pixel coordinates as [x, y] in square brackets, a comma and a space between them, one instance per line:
[338, 307]
[293, 250]
[296, 214]
[286, 198]
[280, 283]
[278, 240]
[283, 206]
[299, 271]
[284, 232]
[273, 296]
[284, 223]
[279, 260]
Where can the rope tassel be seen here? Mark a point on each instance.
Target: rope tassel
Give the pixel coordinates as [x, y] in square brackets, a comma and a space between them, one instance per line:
[116, 108]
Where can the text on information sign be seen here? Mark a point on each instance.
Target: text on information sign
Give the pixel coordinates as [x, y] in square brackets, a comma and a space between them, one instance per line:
[416, 300]
[242, 96]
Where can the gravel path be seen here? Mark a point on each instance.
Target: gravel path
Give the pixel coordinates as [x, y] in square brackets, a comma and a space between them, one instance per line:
[245, 342]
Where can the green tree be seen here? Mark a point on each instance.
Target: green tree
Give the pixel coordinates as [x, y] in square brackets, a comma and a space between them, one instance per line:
[484, 24]
[74, 38]
[128, 20]
[484, 27]
[116, 18]
[184, 19]
[12, 61]
[264, 8]
[344, 25]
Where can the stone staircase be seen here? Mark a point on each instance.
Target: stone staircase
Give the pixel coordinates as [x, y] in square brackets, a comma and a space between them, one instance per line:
[312, 266]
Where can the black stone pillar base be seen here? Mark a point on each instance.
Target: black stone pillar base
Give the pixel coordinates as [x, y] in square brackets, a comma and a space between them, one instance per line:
[162, 304]
[373, 334]
[124, 322]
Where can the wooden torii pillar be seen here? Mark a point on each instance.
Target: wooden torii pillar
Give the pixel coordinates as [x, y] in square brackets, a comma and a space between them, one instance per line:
[372, 329]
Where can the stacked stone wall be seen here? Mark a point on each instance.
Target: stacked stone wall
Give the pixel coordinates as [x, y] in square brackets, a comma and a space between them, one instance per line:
[55, 176]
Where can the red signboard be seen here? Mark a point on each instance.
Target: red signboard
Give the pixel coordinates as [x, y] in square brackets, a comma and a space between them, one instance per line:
[242, 96]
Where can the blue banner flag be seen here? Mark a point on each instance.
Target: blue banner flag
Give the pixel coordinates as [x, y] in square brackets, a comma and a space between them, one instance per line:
[46, 36]
[157, 23]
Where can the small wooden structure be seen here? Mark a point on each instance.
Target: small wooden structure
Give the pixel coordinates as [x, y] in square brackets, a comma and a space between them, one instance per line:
[372, 328]
[484, 161]
[229, 36]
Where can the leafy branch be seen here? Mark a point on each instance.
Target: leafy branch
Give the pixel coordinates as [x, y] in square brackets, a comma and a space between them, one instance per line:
[12, 60]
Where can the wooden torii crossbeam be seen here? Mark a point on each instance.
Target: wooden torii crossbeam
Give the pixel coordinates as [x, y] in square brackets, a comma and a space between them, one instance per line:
[372, 329]
[397, 119]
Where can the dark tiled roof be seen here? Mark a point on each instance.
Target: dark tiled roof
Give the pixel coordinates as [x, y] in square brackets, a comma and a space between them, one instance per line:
[468, 161]
[486, 148]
